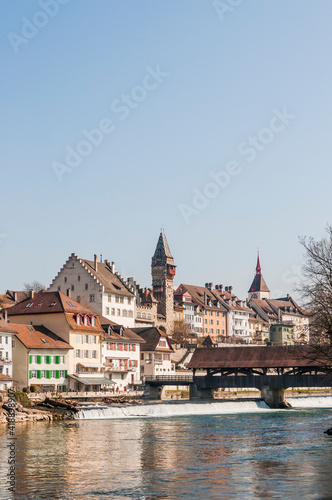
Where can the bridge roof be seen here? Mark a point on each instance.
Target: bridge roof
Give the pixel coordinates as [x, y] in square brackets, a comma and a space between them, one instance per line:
[253, 357]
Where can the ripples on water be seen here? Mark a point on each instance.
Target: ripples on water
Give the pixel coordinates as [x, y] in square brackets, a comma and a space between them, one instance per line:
[282, 455]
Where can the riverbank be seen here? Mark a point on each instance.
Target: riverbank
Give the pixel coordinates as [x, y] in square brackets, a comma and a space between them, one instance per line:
[52, 409]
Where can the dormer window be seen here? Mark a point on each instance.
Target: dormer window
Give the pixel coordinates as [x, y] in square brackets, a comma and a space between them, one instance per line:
[78, 320]
[86, 321]
[93, 321]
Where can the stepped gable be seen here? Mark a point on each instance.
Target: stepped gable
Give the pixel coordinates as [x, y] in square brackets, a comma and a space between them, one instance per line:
[39, 337]
[162, 252]
[152, 335]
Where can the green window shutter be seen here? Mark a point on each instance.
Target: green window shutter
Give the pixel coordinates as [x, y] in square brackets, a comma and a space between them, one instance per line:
[48, 360]
[57, 374]
[39, 360]
[57, 360]
[66, 374]
[39, 374]
[48, 373]
[30, 359]
[30, 374]
[64, 388]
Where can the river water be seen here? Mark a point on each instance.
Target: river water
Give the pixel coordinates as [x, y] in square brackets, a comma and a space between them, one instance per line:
[240, 451]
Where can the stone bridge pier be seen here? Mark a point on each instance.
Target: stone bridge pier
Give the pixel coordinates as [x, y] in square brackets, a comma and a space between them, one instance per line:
[274, 398]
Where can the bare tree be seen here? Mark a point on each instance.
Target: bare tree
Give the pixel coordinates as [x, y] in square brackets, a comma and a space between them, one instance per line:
[35, 286]
[182, 332]
[316, 293]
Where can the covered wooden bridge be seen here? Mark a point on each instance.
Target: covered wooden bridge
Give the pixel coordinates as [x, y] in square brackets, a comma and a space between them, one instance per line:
[270, 369]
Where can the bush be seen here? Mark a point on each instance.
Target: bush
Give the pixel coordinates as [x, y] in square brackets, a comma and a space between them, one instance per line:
[33, 388]
[22, 398]
[25, 389]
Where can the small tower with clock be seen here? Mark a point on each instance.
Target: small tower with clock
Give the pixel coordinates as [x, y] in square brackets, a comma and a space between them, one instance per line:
[258, 289]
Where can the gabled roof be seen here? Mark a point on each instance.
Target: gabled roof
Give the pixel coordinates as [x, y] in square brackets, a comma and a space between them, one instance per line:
[152, 335]
[39, 337]
[252, 357]
[200, 295]
[110, 281]
[112, 332]
[162, 254]
[49, 302]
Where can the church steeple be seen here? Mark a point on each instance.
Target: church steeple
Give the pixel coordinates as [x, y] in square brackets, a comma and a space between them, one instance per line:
[163, 272]
[258, 289]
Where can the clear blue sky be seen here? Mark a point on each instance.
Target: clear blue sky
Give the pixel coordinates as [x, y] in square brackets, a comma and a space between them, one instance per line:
[221, 79]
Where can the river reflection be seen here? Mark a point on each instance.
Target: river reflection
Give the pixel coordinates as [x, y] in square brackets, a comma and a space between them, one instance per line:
[277, 455]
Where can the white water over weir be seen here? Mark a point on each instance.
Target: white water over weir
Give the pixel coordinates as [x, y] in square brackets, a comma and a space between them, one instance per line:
[310, 402]
[160, 410]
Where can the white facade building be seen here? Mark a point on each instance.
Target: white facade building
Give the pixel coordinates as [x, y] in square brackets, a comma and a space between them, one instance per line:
[6, 356]
[98, 286]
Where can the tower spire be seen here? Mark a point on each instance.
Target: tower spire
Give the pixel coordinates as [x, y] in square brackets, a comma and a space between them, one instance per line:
[258, 289]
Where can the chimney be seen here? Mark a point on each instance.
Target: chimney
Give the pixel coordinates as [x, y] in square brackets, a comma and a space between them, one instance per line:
[230, 288]
[15, 296]
[31, 294]
[68, 292]
[205, 301]
[288, 296]
[208, 286]
[6, 319]
[95, 261]
[219, 287]
[113, 267]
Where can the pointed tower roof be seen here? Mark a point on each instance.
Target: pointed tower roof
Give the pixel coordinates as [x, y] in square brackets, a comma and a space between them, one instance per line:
[162, 254]
[258, 284]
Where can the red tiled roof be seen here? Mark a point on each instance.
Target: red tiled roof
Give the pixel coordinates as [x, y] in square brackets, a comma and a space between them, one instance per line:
[49, 302]
[5, 378]
[39, 337]
[151, 336]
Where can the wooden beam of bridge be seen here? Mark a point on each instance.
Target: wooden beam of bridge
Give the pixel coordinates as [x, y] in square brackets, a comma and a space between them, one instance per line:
[259, 381]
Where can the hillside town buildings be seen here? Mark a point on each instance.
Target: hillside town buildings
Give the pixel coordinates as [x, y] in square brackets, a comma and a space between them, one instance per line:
[94, 329]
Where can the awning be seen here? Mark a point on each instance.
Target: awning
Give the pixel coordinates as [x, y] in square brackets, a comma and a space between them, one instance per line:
[92, 380]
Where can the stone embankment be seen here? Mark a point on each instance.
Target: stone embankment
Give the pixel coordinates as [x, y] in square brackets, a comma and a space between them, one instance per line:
[23, 414]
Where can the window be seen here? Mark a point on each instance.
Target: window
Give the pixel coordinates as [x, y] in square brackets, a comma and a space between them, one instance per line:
[142, 356]
[113, 311]
[13, 343]
[86, 354]
[92, 298]
[117, 299]
[6, 340]
[77, 353]
[93, 339]
[121, 300]
[124, 313]
[59, 288]
[78, 320]
[93, 321]
[33, 373]
[86, 321]
[130, 314]
[107, 311]
[139, 315]
[205, 322]
[109, 298]
[78, 299]
[78, 338]
[129, 301]
[62, 373]
[78, 278]
[86, 286]
[86, 339]
[94, 354]
[211, 321]
[118, 312]
[72, 288]
[65, 279]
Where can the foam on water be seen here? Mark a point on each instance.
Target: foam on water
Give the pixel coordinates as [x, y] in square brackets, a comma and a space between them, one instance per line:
[310, 402]
[172, 410]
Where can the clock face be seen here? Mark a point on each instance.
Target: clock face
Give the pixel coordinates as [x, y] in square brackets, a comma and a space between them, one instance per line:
[254, 296]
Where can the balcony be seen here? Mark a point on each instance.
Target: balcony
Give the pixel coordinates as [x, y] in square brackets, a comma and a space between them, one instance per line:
[112, 367]
[5, 361]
